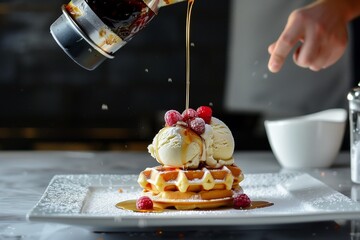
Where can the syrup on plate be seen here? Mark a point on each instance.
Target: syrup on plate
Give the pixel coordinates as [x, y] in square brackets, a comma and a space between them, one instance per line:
[131, 205]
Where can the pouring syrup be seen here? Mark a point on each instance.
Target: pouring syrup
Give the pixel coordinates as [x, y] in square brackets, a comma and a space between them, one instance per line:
[188, 20]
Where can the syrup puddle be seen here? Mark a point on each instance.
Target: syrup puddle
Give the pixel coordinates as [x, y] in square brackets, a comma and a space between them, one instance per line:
[131, 205]
[258, 204]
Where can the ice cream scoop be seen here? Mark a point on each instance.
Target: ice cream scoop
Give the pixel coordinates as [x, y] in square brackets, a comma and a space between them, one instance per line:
[224, 144]
[219, 143]
[177, 146]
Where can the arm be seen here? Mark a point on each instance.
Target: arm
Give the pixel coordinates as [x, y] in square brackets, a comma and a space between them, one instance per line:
[321, 28]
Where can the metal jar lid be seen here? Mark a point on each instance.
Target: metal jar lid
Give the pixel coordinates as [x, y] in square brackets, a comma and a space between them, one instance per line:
[354, 94]
[354, 99]
[76, 44]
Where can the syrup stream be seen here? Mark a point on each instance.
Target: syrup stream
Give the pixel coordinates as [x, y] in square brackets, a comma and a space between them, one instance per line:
[188, 20]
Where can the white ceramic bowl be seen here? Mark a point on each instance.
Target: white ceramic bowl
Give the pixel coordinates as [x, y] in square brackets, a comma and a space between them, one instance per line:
[307, 141]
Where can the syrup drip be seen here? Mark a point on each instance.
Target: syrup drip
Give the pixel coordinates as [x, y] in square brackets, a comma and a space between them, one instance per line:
[131, 205]
[258, 204]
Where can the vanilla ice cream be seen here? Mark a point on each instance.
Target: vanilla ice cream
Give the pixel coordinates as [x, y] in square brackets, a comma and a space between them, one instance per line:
[224, 144]
[179, 146]
[219, 143]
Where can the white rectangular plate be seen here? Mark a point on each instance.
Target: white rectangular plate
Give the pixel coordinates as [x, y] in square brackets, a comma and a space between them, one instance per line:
[89, 200]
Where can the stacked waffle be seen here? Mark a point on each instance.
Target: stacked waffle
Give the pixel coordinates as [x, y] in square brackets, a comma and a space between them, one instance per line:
[197, 167]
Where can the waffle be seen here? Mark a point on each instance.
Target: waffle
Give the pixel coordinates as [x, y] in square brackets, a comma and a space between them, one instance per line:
[191, 188]
[159, 179]
[190, 205]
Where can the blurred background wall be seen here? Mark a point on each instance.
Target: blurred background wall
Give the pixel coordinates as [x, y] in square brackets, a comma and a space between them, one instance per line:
[49, 102]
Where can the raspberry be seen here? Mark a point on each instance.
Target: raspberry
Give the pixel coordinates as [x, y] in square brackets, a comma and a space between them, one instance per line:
[241, 201]
[197, 125]
[172, 117]
[144, 203]
[205, 113]
[189, 114]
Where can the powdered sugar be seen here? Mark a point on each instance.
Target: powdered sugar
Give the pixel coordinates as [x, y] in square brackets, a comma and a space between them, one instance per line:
[83, 197]
[67, 194]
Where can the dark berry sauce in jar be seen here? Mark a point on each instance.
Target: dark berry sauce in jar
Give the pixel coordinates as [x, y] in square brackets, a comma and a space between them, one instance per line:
[123, 17]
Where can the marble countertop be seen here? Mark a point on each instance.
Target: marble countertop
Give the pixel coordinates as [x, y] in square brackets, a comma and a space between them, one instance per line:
[24, 177]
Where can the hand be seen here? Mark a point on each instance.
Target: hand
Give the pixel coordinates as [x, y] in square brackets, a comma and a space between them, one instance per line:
[321, 30]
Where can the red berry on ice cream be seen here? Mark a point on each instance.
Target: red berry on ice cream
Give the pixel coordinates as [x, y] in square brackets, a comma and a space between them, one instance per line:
[205, 113]
[198, 125]
[241, 201]
[172, 117]
[144, 203]
[189, 114]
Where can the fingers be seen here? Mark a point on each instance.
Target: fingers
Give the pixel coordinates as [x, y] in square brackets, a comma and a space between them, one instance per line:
[331, 56]
[310, 51]
[322, 32]
[318, 52]
[279, 50]
[319, 60]
[315, 57]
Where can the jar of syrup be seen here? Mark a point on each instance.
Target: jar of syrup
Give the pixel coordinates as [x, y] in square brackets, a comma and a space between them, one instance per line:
[91, 31]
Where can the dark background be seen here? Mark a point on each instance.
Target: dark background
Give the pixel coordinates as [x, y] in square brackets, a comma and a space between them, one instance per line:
[49, 102]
